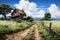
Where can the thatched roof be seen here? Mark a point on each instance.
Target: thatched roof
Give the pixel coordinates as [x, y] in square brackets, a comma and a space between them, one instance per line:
[17, 12]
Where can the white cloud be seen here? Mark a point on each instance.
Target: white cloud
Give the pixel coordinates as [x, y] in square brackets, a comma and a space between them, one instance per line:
[23, 4]
[9, 14]
[11, 11]
[1, 16]
[29, 13]
[54, 10]
[30, 8]
[40, 14]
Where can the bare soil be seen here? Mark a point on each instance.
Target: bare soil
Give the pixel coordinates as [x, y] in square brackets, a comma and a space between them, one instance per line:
[23, 34]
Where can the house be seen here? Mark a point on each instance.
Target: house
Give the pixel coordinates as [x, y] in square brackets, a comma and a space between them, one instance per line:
[18, 14]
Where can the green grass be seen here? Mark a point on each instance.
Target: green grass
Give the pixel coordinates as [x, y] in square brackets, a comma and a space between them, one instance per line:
[44, 33]
[55, 25]
[12, 26]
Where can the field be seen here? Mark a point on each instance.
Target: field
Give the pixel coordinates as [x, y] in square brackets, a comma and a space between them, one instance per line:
[55, 25]
[45, 33]
[12, 26]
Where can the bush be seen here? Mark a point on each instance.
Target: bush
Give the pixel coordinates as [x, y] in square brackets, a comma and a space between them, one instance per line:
[18, 20]
[29, 19]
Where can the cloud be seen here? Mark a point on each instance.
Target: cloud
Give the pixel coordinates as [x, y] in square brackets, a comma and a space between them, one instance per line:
[39, 14]
[30, 8]
[28, 12]
[1, 16]
[23, 4]
[11, 11]
[54, 10]
[9, 14]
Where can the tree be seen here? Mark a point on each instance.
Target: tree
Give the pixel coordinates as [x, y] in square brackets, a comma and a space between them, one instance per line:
[30, 19]
[4, 9]
[47, 16]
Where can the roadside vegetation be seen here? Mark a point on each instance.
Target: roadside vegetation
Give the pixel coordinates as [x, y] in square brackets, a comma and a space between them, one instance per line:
[42, 31]
[45, 33]
[12, 26]
[55, 25]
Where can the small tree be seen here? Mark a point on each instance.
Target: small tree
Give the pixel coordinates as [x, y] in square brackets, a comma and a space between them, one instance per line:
[30, 19]
[47, 16]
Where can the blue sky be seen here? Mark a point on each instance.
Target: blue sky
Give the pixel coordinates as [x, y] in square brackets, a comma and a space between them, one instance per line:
[52, 6]
[40, 3]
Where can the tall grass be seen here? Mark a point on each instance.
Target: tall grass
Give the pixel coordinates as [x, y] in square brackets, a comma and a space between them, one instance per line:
[12, 26]
[55, 25]
[44, 33]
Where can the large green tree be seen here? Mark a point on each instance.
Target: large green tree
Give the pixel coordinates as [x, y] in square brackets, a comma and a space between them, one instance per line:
[5, 6]
[47, 16]
[4, 9]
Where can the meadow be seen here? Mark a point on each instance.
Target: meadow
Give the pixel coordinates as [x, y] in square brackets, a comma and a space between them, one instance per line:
[12, 26]
[45, 33]
[55, 25]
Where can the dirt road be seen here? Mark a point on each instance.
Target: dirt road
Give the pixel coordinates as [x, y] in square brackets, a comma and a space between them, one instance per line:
[36, 34]
[23, 34]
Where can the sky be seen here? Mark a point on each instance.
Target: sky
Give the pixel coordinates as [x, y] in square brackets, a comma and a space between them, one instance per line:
[36, 8]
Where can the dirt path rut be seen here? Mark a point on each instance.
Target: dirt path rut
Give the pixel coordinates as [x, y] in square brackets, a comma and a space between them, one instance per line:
[37, 36]
[22, 35]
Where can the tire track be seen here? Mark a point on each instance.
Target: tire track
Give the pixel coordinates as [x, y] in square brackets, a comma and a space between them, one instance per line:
[37, 36]
[24, 34]
[16, 36]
